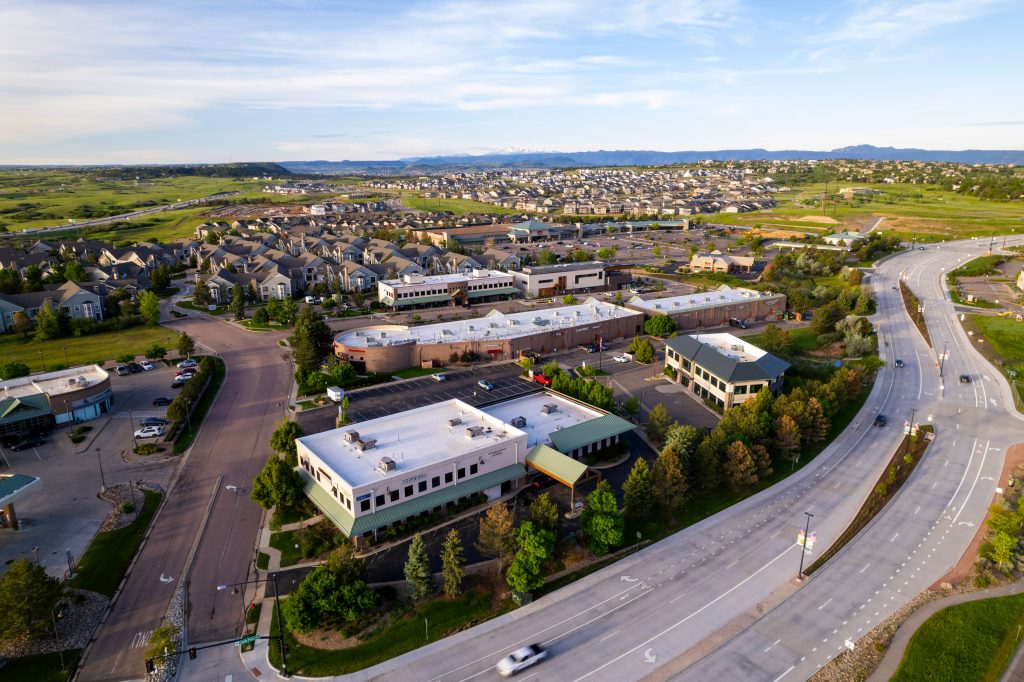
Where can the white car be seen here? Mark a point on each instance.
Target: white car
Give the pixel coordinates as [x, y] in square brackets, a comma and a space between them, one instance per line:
[184, 364]
[146, 365]
[620, 358]
[150, 432]
[521, 659]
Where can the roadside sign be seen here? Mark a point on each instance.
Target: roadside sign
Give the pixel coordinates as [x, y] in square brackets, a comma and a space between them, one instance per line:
[849, 645]
[247, 640]
[800, 537]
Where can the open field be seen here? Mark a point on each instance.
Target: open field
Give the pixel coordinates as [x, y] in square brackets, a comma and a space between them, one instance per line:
[1002, 347]
[83, 349]
[971, 641]
[416, 201]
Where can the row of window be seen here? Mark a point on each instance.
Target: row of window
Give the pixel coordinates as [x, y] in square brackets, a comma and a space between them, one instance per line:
[396, 495]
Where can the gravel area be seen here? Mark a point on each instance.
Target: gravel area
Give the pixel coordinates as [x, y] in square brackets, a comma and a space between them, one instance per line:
[118, 495]
[167, 668]
[80, 612]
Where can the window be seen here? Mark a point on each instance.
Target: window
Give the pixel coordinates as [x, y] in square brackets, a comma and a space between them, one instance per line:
[422, 487]
[462, 473]
[740, 390]
[364, 505]
[348, 503]
[394, 496]
[380, 500]
[448, 477]
[686, 364]
[435, 481]
[755, 388]
[472, 469]
[408, 491]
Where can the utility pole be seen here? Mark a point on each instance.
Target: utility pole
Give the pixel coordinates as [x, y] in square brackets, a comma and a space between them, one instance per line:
[910, 430]
[103, 481]
[807, 530]
[942, 359]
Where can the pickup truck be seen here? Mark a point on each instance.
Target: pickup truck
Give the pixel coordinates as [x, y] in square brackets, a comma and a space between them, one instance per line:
[542, 379]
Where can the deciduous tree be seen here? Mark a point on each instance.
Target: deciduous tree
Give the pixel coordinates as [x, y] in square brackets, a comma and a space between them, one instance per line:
[277, 485]
[283, 440]
[237, 305]
[149, 308]
[660, 325]
[186, 345]
[544, 513]
[23, 324]
[658, 423]
[27, 594]
[536, 546]
[602, 522]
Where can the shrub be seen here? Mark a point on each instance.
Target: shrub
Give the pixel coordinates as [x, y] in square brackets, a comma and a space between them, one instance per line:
[127, 508]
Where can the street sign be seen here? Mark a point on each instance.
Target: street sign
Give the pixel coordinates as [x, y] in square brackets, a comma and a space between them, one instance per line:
[247, 640]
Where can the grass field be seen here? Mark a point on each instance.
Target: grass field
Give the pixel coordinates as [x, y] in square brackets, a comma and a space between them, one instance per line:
[983, 265]
[84, 349]
[802, 339]
[418, 202]
[971, 641]
[105, 561]
[41, 668]
[1003, 347]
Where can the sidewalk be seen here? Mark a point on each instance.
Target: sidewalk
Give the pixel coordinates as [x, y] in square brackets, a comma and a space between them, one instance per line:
[887, 668]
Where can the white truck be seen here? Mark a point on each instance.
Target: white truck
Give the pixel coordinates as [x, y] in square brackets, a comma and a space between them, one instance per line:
[335, 394]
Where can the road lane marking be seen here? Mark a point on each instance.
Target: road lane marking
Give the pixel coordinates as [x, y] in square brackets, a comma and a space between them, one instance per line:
[607, 637]
[865, 567]
[893, 538]
[825, 604]
[962, 478]
[790, 668]
[976, 477]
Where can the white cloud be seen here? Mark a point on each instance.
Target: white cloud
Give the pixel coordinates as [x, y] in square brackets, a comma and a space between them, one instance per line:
[893, 21]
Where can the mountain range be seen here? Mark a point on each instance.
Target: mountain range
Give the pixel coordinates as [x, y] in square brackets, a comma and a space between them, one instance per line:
[548, 159]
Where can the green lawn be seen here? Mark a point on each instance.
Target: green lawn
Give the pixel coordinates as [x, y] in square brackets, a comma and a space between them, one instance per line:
[189, 305]
[262, 561]
[84, 349]
[1005, 334]
[41, 668]
[414, 372]
[803, 339]
[983, 265]
[418, 202]
[407, 633]
[105, 561]
[285, 542]
[966, 642]
[191, 429]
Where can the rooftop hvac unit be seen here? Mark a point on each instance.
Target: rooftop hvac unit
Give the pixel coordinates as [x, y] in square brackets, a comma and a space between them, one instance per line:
[474, 431]
[366, 445]
[657, 306]
[736, 346]
[518, 422]
[550, 408]
[351, 437]
[579, 313]
[454, 422]
[385, 465]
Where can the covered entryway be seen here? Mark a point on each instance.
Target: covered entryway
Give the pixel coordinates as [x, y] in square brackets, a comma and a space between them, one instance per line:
[565, 470]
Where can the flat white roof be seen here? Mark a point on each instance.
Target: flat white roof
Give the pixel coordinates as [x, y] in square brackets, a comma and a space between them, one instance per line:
[731, 346]
[539, 424]
[674, 304]
[493, 326]
[414, 439]
[53, 383]
[445, 279]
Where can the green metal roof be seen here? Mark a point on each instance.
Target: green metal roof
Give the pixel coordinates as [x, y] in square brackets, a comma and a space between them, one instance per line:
[417, 300]
[555, 464]
[500, 291]
[568, 439]
[25, 407]
[343, 519]
[12, 484]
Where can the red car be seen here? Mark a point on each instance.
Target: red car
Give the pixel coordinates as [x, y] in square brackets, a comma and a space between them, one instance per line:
[542, 379]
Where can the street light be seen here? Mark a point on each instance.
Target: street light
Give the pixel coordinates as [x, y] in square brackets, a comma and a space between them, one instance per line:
[103, 481]
[60, 650]
[277, 608]
[42, 360]
[807, 530]
[66, 361]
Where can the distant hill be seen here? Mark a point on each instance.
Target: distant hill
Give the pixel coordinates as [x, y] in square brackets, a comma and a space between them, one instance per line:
[651, 158]
[208, 170]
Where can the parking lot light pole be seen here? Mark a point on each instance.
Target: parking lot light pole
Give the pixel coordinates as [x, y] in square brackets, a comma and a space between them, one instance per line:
[56, 636]
[942, 360]
[803, 548]
[103, 481]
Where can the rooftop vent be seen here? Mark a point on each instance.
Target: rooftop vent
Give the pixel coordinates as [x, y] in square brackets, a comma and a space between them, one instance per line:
[385, 465]
[366, 445]
[351, 437]
[736, 347]
[518, 422]
[454, 422]
[550, 408]
[474, 431]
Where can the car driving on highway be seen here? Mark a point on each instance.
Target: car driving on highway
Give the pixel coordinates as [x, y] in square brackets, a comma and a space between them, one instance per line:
[521, 659]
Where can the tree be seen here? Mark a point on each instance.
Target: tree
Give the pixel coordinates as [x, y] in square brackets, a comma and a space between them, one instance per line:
[544, 513]
[536, 546]
[658, 423]
[526, 363]
[47, 323]
[283, 440]
[642, 350]
[277, 485]
[155, 351]
[311, 324]
[605, 253]
[999, 549]
[23, 324]
[186, 345]
[817, 422]
[546, 257]
[27, 594]
[335, 592]
[708, 465]
[787, 438]
[776, 340]
[637, 493]
[668, 483]
[418, 578]
[683, 439]
[237, 306]
[14, 369]
[660, 325]
[602, 522]
[452, 560]
[149, 308]
[74, 272]
[200, 296]
[631, 405]
[763, 461]
[569, 299]
[740, 469]
[497, 539]
[863, 304]
[826, 317]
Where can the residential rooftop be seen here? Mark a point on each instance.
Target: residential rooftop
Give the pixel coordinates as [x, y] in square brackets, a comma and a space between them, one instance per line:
[540, 420]
[53, 383]
[420, 438]
[724, 295]
[493, 325]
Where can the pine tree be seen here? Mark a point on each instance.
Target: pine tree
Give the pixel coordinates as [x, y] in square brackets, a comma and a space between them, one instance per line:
[668, 483]
[817, 426]
[658, 423]
[418, 578]
[200, 296]
[237, 305]
[763, 461]
[636, 491]
[452, 559]
[497, 539]
[740, 469]
[787, 438]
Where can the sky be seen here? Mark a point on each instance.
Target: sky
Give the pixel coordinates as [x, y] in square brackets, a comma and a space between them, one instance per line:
[217, 81]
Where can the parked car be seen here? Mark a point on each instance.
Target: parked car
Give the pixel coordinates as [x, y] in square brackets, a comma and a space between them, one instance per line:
[187, 363]
[965, 378]
[736, 322]
[162, 401]
[153, 421]
[150, 432]
[179, 382]
[29, 441]
[134, 367]
[880, 420]
[899, 363]
[620, 358]
[185, 373]
[121, 370]
[521, 659]
[541, 481]
[439, 377]
[146, 365]
[542, 379]
[485, 384]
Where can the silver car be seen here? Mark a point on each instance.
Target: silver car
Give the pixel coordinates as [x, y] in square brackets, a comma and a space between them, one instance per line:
[521, 659]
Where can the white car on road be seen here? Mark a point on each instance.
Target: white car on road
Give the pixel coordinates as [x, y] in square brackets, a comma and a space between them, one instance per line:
[521, 659]
[150, 432]
[620, 358]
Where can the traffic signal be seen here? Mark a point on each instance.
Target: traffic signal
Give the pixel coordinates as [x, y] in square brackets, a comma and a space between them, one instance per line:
[149, 665]
[192, 654]
[285, 649]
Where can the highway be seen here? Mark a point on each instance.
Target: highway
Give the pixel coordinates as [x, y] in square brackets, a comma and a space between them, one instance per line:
[719, 600]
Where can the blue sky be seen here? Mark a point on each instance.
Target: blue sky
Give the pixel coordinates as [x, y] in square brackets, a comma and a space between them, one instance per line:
[140, 82]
